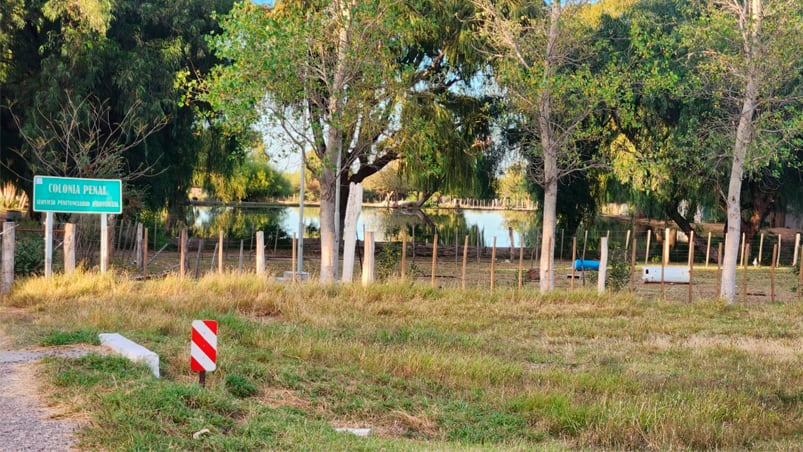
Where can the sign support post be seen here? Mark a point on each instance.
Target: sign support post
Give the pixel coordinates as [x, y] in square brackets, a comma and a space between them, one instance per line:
[49, 245]
[104, 242]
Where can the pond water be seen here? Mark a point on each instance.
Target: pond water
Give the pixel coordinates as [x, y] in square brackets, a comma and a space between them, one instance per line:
[451, 225]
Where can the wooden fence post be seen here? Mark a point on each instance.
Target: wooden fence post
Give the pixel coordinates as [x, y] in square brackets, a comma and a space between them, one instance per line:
[627, 241]
[772, 272]
[778, 256]
[521, 261]
[220, 252]
[691, 264]
[465, 258]
[743, 257]
[708, 249]
[9, 239]
[603, 265]
[368, 268]
[664, 262]
[719, 269]
[260, 253]
[493, 264]
[145, 252]
[744, 274]
[647, 253]
[434, 259]
[800, 275]
[138, 246]
[183, 258]
[574, 257]
[404, 255]
[69, 248]
[761, 249]
[240, 263]
[632, 265]
[293, 258]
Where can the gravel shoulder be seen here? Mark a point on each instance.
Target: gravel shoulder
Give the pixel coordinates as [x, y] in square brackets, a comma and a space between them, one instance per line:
[26, 422]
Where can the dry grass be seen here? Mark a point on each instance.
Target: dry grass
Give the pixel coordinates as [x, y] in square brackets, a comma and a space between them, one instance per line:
[456, 368]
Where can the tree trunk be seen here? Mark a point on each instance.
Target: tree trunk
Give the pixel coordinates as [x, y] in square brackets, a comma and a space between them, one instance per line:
[327, 223]
[334, 147]
[550, 154]
[744, 136]
[546, 270]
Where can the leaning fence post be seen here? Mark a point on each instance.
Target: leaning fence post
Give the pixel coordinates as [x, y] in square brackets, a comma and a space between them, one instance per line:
[8, 257]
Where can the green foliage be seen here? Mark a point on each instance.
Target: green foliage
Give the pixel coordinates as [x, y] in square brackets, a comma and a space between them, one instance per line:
[125, 56]
[81, 336]
[618, 272]
[387, 263]
[253, 180]
[29, 254]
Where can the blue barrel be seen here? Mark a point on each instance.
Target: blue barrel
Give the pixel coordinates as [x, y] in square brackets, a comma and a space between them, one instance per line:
[580, 264]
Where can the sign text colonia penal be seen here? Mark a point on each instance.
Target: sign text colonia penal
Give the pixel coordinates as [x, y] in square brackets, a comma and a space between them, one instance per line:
[77, 195]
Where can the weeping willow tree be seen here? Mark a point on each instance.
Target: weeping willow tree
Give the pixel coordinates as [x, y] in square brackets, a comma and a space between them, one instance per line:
[444, 145]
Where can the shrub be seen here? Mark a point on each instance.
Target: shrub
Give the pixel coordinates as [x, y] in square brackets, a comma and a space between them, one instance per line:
[29, 255]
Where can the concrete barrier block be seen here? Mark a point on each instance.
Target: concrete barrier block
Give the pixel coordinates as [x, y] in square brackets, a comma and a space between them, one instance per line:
[131, 350]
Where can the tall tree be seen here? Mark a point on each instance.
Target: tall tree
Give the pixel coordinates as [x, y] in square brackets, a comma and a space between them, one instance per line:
[342, 80]
[541, 56]
[750, 63]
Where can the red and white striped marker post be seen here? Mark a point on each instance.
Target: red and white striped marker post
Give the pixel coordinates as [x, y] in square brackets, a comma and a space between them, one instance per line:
[203, 351]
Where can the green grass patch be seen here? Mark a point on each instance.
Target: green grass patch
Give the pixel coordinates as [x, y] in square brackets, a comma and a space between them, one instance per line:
[424, 368]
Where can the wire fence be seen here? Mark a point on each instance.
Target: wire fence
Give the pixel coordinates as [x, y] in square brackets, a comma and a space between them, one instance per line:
[464, 260]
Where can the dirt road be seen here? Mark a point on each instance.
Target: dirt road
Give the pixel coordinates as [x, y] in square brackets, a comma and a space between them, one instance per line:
[26, 423]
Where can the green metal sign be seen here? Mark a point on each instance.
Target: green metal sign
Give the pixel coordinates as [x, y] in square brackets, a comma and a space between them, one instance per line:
[75, 195]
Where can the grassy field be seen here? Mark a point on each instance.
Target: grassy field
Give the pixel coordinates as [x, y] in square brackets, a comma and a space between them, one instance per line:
[424, 368]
